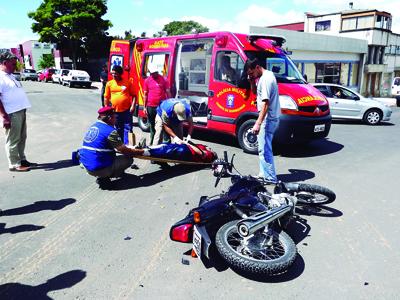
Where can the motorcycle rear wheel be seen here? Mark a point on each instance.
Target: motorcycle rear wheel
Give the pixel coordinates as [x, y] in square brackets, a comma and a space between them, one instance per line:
[256, 256]
[313, 195]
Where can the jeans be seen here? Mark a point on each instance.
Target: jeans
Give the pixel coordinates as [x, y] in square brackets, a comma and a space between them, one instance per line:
[151, 116]
[124, 125]
[266, 156]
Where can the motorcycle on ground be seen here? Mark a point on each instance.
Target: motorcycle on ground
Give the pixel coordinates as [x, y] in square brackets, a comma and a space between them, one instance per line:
[246, 224]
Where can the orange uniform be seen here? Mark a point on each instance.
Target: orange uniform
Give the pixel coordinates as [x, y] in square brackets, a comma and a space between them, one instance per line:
[120, 93]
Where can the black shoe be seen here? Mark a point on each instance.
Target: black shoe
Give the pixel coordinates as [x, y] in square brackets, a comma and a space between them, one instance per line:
[142, 143]
[26, 163]
[104, 183]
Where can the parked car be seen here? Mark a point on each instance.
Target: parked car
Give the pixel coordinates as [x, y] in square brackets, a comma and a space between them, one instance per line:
[396, 87]
[17, 75]
[29, 74]
[47, 74]
[347, 104]
[58, 74]
[77, 77]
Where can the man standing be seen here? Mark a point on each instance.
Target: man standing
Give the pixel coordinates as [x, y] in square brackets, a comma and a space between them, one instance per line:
[103, 80]
[13, 105]
[155, 91]
[98, 154]
[269, 110]
[119, 92]
[170, 115]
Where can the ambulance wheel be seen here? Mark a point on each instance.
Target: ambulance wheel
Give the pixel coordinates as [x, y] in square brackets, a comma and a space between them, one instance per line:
[246, 138]
[144, 124]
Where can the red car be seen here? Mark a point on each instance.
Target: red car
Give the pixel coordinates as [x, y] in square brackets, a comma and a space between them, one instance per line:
[47, 74]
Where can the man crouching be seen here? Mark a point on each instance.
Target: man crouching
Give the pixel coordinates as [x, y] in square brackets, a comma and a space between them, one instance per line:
[98, 152]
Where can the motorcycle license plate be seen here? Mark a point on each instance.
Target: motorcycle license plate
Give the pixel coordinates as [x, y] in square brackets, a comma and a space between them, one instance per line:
[319, 128]
[197, 241]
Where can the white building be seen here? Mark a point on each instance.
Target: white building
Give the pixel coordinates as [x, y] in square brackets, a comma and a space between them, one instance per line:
[377, 65]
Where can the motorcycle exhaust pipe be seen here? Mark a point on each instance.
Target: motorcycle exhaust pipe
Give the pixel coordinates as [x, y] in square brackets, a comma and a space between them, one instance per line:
[252, 224]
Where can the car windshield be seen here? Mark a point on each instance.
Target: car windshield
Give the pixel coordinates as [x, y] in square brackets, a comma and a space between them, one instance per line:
[29, 71]
[284, 69]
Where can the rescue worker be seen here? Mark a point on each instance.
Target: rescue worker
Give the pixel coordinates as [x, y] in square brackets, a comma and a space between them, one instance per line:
[98, 152]
[170, 114]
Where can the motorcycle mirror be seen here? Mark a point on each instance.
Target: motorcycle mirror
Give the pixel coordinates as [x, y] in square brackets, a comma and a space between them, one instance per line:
[231, 164]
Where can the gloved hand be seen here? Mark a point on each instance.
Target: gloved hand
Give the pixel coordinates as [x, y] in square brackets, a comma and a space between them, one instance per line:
[177, 140]
[146, 152]
[188, 138]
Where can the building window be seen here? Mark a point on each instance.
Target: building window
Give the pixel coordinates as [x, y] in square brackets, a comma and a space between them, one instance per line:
[323, 25]
[327, 72]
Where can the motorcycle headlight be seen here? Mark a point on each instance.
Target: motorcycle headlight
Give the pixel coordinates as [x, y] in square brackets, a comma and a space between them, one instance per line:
[287, 102]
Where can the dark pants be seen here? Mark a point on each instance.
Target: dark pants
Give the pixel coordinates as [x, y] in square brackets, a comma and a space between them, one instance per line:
[124, 125]
[103, 89]
[151, 117]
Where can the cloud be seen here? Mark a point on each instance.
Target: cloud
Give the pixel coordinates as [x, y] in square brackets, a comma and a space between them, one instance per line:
[11, 38]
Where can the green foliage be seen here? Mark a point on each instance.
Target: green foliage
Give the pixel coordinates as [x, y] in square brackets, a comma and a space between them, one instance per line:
[183, 27]
[71, 24]
[19, 66]
[46, 61]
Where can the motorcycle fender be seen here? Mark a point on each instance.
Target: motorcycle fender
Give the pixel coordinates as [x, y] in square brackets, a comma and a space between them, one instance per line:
[291, 186]
[205, 241]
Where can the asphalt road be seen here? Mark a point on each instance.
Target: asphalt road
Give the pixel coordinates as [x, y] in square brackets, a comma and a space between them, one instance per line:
[63, 238]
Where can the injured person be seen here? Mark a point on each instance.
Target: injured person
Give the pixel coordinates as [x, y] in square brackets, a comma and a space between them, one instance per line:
[187, 152]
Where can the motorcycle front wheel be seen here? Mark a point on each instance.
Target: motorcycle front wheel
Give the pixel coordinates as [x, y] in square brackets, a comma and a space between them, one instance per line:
[313, 195]
[262, 253]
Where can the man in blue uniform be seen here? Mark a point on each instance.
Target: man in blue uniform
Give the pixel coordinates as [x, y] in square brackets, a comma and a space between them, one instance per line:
[170, 114]
[98, 152]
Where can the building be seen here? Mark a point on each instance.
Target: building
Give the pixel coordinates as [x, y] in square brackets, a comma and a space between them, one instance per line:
[382, 60]
[32, 52]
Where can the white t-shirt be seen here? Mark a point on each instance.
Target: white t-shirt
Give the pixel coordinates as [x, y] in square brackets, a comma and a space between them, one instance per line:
[267, 90]
[12, 95]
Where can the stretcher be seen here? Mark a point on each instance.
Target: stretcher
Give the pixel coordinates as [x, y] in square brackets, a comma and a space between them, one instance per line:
[172, 161]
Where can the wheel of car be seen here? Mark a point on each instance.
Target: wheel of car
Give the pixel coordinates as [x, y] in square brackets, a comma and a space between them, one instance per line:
[70, 84]
[246, 138]
[373, 117]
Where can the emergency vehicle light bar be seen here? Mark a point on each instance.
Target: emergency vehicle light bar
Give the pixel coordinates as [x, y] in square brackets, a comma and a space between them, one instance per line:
[280, 40]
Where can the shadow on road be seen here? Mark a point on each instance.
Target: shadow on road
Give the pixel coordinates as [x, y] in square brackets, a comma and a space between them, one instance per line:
[38, 206]
[296, 175]
[130, 181]
[315, 148]
[19, 228]
[61, 164]
[357, 122]
[39, 292]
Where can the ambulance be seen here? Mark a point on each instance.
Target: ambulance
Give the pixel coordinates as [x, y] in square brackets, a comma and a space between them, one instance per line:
[207, 70]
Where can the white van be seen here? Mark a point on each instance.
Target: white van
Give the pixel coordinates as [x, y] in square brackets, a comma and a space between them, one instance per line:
[396, 87]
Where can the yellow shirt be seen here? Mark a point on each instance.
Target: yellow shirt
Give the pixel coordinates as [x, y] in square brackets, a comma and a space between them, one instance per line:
[120, 93]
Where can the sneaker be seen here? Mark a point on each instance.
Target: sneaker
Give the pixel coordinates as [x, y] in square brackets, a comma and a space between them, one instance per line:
[104, 183]
[25, 163]
[19, 169]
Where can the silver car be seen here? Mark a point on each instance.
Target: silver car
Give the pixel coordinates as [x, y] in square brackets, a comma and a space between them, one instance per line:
[29, 74]
[347, 104]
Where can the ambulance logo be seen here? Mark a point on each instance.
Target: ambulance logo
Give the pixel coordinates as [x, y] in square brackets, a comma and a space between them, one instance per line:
[230, 101]
[91, 135]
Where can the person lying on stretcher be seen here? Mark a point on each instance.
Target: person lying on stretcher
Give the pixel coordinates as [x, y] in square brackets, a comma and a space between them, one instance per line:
[184, 152]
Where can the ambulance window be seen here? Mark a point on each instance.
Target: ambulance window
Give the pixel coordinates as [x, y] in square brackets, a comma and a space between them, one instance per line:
[229, 67]
[116, 60]
[156, 62]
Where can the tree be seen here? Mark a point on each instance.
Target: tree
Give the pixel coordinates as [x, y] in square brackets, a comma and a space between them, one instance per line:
[71, 24]
[46, 61]
[183, 27]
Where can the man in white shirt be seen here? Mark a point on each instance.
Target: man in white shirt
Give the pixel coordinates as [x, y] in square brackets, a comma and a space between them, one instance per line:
[13, 105]
[266, 89]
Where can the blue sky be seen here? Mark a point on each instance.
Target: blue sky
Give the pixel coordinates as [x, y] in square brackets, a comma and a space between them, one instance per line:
[151, 15]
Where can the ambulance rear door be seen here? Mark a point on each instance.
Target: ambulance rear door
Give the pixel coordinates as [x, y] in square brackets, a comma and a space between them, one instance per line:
[192, 75]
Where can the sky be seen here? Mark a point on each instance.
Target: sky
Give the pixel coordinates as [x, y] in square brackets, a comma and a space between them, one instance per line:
[150, 16]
